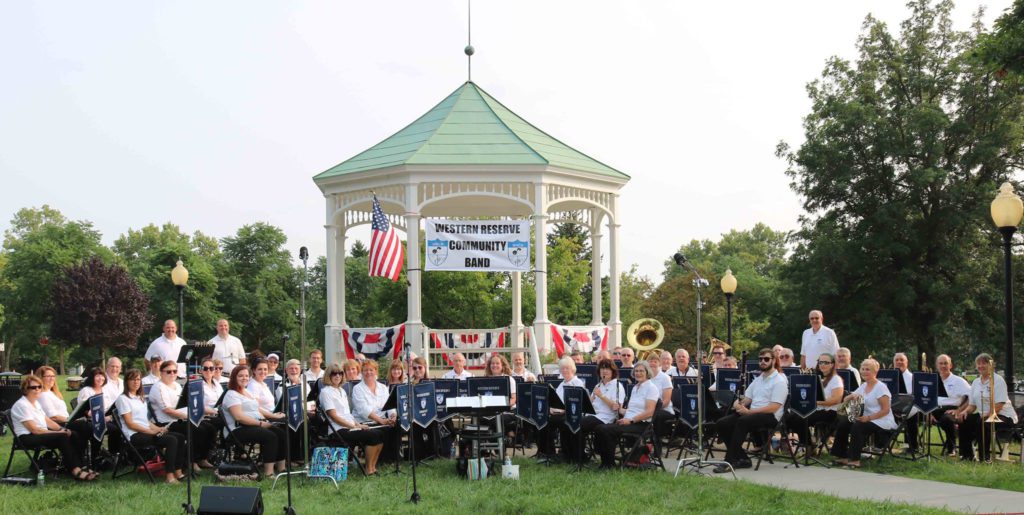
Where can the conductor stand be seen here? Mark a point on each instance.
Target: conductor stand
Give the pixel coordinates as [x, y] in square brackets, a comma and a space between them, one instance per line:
[698, 463]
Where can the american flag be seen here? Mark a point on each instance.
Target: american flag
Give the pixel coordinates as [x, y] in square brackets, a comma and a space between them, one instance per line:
[386, 252]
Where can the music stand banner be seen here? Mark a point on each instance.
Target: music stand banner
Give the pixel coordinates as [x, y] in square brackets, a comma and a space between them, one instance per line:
[498, 385]
[196, 403]
[96, 413]
[926, 391]
[728, 380]
[425, 411]
[445, 389]
[293, 394]
[891, 378]
[588, 373]
[803, 394]
[524, 404]
[403, 395]
[573, 397]
[684, 399]
[539, 413]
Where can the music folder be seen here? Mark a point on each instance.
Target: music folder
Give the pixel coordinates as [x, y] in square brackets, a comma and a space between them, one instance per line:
[849, 379]
[79, 412]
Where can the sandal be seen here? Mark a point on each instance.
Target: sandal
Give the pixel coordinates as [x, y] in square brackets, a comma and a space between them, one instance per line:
[82, 475]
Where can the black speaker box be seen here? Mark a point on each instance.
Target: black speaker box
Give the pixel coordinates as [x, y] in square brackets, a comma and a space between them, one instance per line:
[215, 500]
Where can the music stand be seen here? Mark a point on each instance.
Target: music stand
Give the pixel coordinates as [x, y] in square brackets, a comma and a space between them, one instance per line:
[850, 383]
[183, 403]
[928, 387]
[586, 408]
[392, 403]
[805, 390]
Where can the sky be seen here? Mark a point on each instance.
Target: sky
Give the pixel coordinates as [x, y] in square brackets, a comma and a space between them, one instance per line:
[213, 115]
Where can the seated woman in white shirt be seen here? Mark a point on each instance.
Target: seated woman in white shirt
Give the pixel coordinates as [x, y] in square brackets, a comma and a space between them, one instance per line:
[368, 398]
[519, 368]
[92, 385]
[258, 385]
[163, 397]
[556, 421]
[635, 416]
[849, 438]
[212, 389]
[249, 423]
[35, 430]
[54, 407]
[335, 404]
[833, 387]
[133, 412]
[418, 370]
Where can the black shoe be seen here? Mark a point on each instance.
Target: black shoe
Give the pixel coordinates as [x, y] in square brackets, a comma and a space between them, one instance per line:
[742, 464]
[722, 469]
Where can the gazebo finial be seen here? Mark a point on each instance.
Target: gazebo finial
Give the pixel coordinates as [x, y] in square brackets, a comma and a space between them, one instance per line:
[469, 41]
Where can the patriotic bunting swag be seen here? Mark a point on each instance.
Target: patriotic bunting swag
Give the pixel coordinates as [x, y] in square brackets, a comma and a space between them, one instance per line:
[567, 339]
[374, 342]
[469, 343]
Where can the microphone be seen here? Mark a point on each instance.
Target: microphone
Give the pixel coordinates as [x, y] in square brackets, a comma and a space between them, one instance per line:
[680, 259]
[303, 253]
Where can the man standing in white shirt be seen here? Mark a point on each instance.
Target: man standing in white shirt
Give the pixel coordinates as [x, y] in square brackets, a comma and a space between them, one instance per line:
[227, 348]
[458, 370]
[958, 389]
[114, 386]
[168, 346]
[818, 339]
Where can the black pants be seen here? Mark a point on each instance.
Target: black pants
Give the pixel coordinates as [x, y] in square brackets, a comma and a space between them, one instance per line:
[170, 445]
[546, 435]
[802, 426]
[944, 417]
[81, 438]
[849, 438]
[572, 443]
[59, 441]
[362, 437]
[296, 441]
[203, 437]
[270, 439]
[971, 432]
[733, 430]
[910, 431]
[606, 439]
[663, 423]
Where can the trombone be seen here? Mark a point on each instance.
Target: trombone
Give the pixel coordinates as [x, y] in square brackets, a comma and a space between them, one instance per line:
[988, 424]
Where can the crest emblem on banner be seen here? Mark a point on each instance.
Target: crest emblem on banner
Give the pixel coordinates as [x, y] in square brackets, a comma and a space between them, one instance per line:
[803, 393]
[693, 404]
[924, 390]
[423, 403]
[439, 398]
[519, 252]
[732, 387]
[437, 251]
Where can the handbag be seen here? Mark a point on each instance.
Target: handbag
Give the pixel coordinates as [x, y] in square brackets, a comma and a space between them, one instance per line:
[330, 462]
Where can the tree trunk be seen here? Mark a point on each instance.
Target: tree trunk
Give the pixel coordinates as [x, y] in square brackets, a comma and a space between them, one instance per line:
[103, 356]
[61, 359]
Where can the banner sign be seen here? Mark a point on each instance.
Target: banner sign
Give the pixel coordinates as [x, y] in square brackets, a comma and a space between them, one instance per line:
[728, 380]
[573, 398]
[96, 417]
[470, 344]
[803, 394]
[524, 401]
[539, 413]
[891, 377]
[926, 391]
[374, 342]
[588, 373]
[496, 385]
[684, 399]
[403, 396]
[478, 245]
[425, 410]
[293, 406]
[196, 405]
[583, 338]
[444, 389]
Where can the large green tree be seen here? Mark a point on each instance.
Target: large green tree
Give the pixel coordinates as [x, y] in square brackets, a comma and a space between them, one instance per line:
[1003, 49]
[904, 148]
[38, 245]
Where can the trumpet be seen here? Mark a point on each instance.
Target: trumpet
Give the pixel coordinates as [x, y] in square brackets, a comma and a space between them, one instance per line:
[924, 363]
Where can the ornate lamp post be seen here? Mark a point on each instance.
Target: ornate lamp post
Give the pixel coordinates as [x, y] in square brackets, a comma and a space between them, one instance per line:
[728, 288]
[179, 276]
[1007, 210]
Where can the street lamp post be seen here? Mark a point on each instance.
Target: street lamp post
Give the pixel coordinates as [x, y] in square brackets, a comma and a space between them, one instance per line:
[179, 276]
[1007, 210]
[728, 288]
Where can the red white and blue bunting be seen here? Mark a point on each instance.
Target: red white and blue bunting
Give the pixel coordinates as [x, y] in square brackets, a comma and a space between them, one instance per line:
[374, 342]
[469, 343]
[583, 338]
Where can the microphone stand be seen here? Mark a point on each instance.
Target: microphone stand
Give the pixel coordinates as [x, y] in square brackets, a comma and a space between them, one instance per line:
[288, 509]
[415, 498]
[699, 462]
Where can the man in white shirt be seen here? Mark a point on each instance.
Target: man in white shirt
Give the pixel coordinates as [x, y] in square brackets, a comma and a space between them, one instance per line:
[683, 364]
[167, 346]
[154, 371]
[786, 358]
[957, 389]
[114, 386]
[761, 409]
[227, 348]
[818, 339]
[316, 358]
[458, 370]
[844, 360]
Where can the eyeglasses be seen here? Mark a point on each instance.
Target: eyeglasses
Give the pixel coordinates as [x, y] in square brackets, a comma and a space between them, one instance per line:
[718, 353]
[337, 374]
[766, 359]
[815, 318]
[218, 368]
[824, 362]
[35, 387]
[170, 371]
[417, 367]
[786, 356]
[209, 369]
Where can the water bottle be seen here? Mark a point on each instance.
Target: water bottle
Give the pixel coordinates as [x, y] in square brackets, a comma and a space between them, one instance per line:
[40, 478]
[508, 461]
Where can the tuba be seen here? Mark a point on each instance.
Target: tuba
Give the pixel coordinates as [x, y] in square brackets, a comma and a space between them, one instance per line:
[645, 334]
[711, 345]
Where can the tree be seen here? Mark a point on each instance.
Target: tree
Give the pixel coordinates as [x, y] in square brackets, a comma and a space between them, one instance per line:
[257, 286]
[39, 244]
[904, 149]
[1003, 49]
[98, 305]
[568, 277]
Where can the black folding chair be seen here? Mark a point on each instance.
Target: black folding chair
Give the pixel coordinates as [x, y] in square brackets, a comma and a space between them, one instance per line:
[901, 407]
[633, 446]
[326, 432]
[765, 452]
[32, 453]
[129, 454]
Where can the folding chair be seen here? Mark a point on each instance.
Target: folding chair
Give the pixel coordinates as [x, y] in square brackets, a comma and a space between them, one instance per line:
[633, 446]
[32, 453]
[765, 452]
[327, 433]
[1015, 433]
[129, 454]
[901, 408]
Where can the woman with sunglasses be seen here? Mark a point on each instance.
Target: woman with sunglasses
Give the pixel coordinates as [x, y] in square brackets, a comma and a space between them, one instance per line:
[833, 387]
[34, 429]
[335, 404]
[249, 423]
[212, 389]
[133, 412]
[418, 370]
[163, 397]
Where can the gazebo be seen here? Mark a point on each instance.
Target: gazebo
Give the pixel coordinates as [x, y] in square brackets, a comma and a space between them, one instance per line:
[471, 157]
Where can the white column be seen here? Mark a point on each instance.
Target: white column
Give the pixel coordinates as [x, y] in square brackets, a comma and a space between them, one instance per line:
[332, 333]
[339, 241]
[614, 320]
[414, 323]
[516, 327]
[541, 324]
[595, 266]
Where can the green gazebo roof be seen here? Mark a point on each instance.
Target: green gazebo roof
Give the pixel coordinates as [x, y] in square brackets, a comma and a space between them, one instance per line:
[470, 127]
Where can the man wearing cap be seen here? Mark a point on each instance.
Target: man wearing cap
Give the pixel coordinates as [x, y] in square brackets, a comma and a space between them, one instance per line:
[274, 360]
[227, 348]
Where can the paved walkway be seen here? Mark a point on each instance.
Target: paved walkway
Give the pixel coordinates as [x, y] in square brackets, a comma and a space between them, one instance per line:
[851, 484]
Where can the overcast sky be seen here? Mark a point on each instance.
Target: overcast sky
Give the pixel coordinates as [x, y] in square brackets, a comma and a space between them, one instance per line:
[212, 115]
